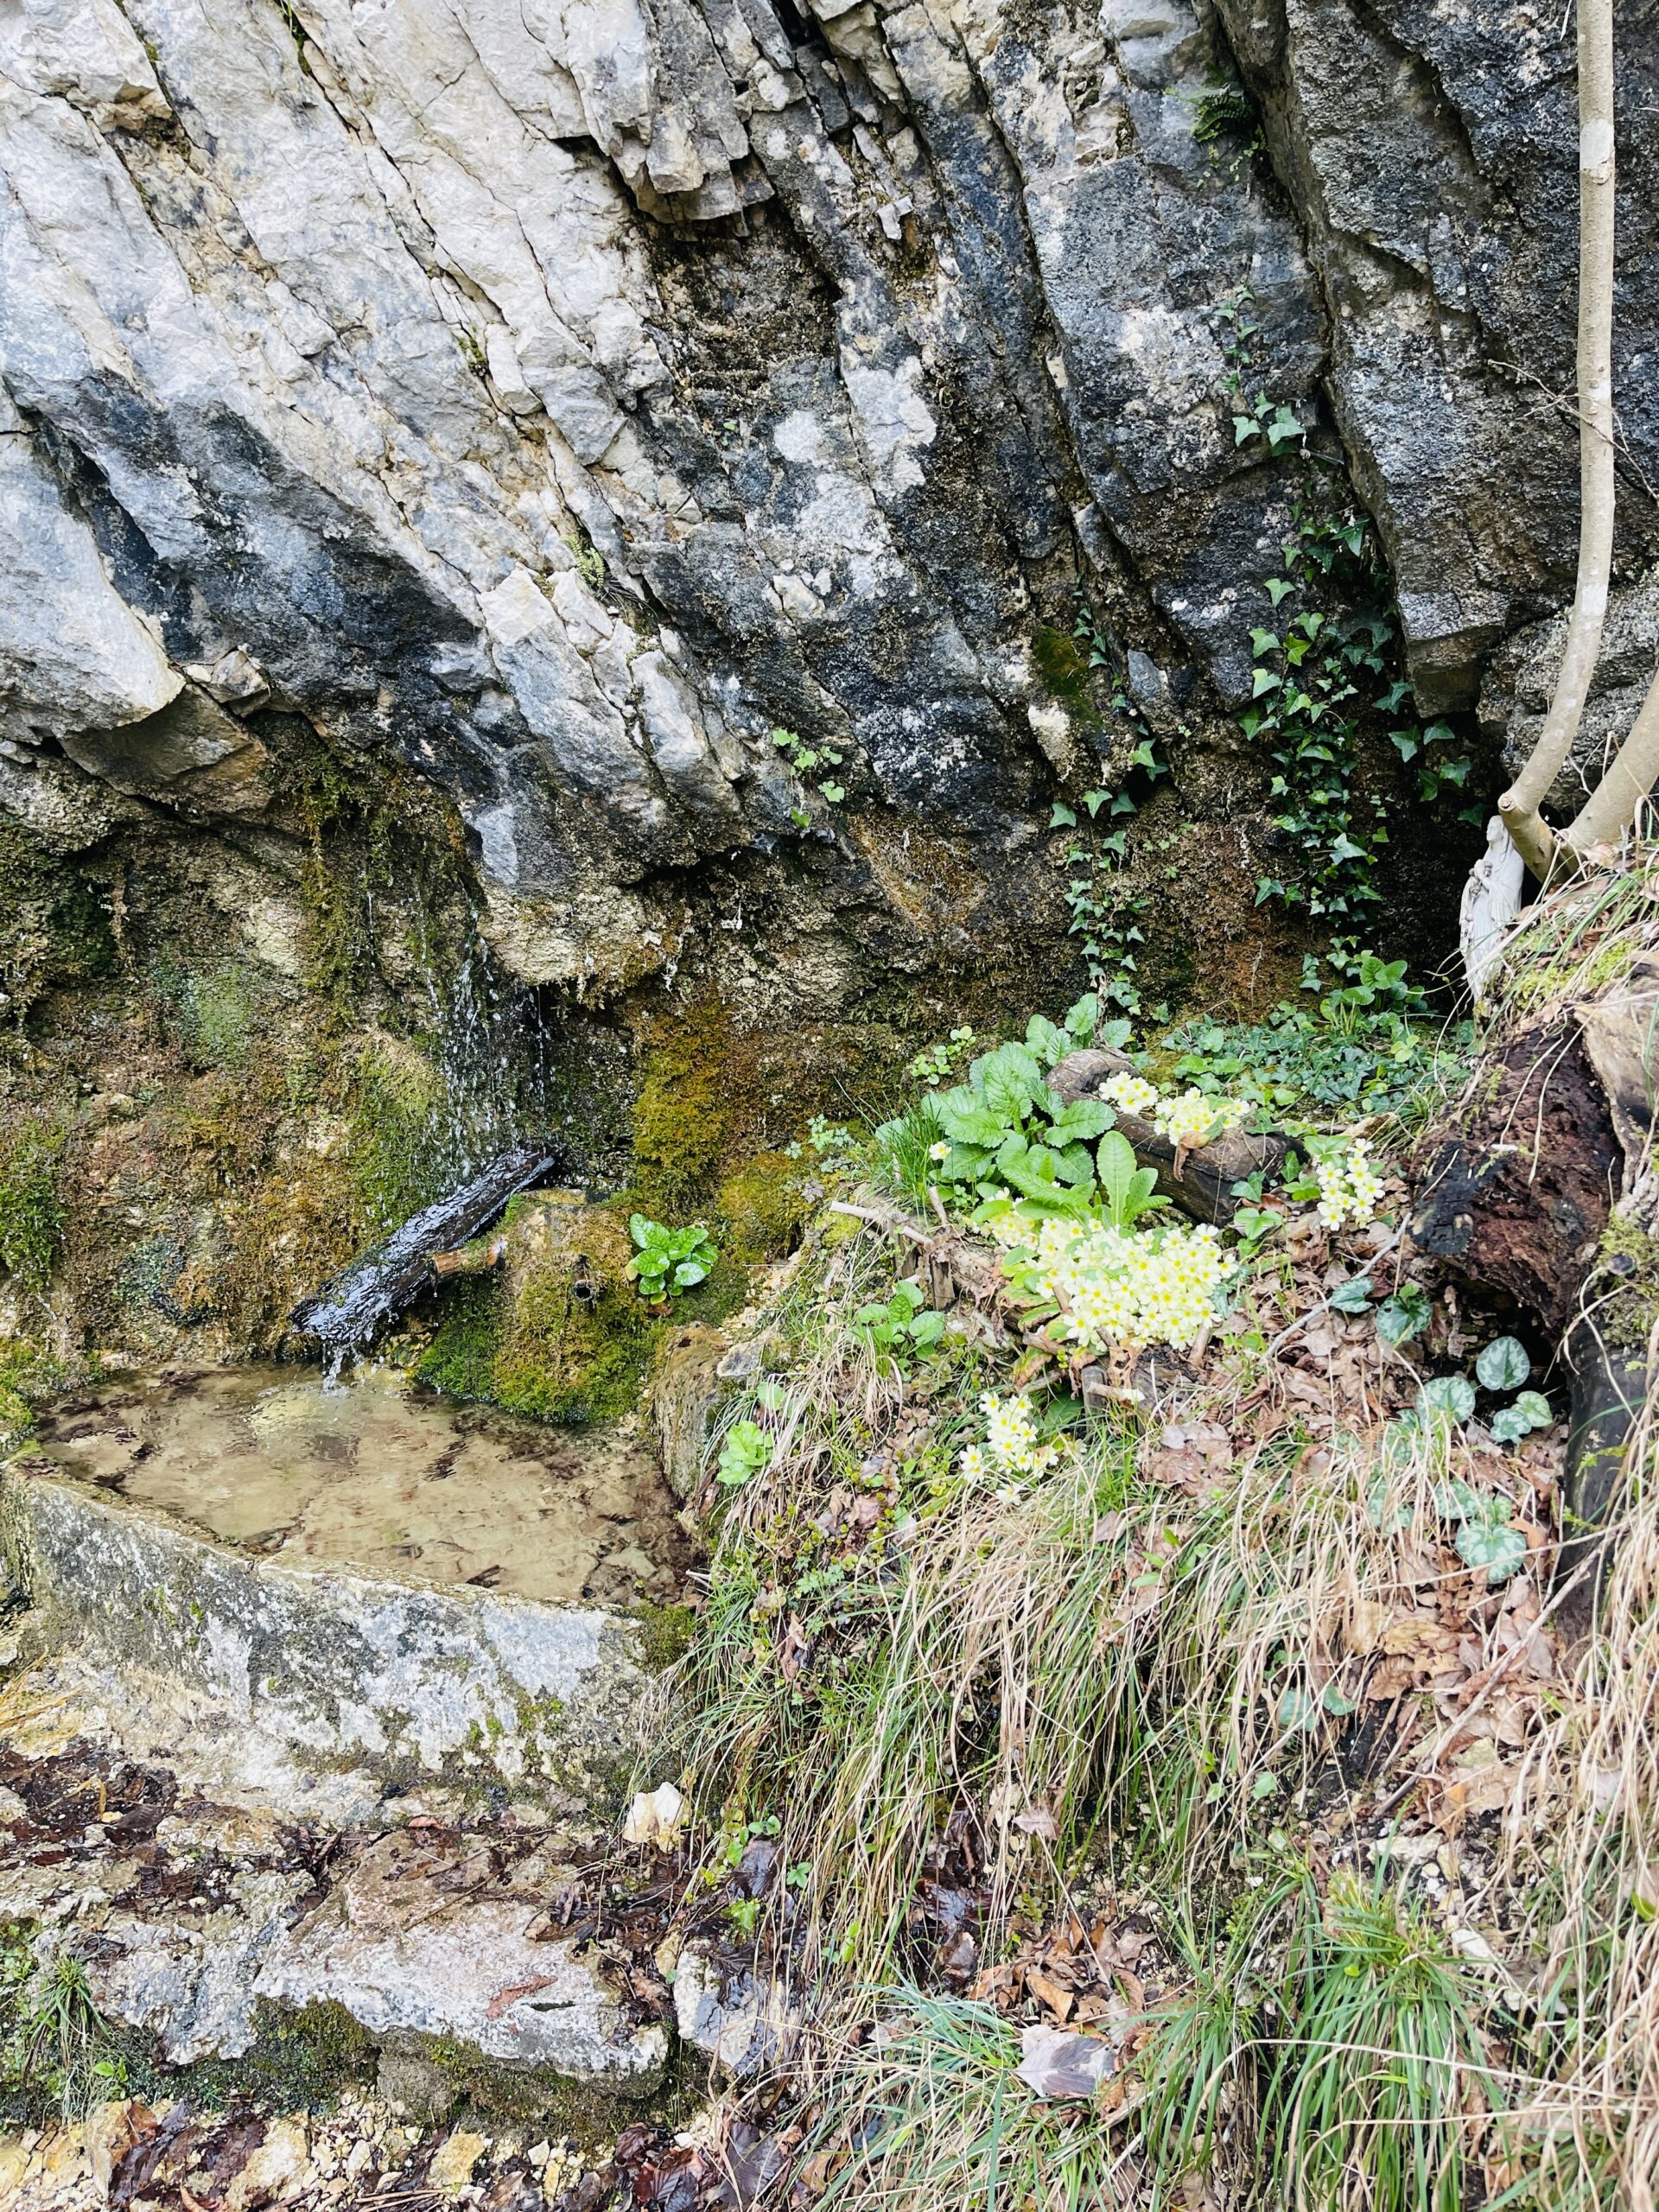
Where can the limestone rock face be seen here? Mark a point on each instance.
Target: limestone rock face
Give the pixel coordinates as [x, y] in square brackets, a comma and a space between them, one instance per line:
[408, 1959]
[556, 399]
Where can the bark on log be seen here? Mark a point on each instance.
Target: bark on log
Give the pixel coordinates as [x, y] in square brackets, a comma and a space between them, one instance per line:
[1519, 1187]
[1610, 1387]
[1203, 1185]
[350, 1311]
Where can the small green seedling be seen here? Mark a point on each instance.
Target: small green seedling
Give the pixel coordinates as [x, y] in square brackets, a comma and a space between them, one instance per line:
[669, 1261]
[1254, 1225]
[906, 1325]
[746, 1453]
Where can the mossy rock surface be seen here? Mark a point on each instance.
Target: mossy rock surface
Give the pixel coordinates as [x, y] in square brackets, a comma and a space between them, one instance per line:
[561, 1336]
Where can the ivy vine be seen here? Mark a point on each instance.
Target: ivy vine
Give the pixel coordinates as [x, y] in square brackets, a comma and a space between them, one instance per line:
[1327, 664]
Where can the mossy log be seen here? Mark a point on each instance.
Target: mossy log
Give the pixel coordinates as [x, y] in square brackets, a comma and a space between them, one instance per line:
[1518, 1186]
[1541, 1185]
[350, 1311]
[1199, 1181]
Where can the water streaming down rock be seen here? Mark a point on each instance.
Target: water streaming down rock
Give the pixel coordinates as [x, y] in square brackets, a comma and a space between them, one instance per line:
[349, 1311]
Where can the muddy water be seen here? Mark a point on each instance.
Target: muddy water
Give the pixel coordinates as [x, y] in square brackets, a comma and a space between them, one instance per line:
[372, 1474]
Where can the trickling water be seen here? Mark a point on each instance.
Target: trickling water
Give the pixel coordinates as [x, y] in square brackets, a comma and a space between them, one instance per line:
[379, 1476]
[348, 1313]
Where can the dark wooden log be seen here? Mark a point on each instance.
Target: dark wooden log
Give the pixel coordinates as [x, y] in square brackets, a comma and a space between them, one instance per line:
[1202, 1183]
[351, 1311]
[1609, 1387]
[1520, 1182]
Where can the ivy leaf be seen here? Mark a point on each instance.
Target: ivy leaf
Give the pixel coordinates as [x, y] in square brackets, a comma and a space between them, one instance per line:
[1277, 587]
[1062, 818]
[1264, 680]
[1094, 801]
[1263, 641]
[1244, 426]
[1405, 743]
[1503, 1365]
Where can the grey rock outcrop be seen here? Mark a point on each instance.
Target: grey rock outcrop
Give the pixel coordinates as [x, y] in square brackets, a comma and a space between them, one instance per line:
[558, 398]
[309, 1675]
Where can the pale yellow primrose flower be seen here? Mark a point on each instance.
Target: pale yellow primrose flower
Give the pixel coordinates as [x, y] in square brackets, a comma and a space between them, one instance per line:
[1349, 1186]
[1194, 1119]
[1114, 1287]
[1132, 1094]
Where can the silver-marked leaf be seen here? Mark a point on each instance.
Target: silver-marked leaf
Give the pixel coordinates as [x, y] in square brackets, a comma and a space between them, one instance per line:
[1494, 1544]
[1452, 1395]
[1503, 1365]
[1297, 1710]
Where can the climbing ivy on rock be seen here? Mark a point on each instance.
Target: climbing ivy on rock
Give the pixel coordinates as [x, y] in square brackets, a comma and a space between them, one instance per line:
[1326, 665]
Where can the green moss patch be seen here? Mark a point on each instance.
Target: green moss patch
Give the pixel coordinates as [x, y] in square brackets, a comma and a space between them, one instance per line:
[31, 1203]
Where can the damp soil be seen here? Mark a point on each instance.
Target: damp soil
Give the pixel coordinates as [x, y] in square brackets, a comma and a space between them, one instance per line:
[375, 1474]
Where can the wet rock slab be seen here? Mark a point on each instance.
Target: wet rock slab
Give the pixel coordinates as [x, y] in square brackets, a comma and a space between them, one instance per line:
[329, 1677]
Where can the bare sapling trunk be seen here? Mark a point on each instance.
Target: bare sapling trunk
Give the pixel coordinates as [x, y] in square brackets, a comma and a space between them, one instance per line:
[1611, 807]
[1519, 806]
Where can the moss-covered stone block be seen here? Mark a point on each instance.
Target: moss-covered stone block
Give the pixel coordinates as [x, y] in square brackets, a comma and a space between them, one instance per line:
[762, 1208]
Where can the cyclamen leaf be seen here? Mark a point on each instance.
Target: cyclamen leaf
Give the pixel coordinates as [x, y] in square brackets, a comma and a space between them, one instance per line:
[1449, 1394]
[1503, 1365]
[1297, 1710]
[1353, 1297]
[1534, 1406]
[1494, 1544]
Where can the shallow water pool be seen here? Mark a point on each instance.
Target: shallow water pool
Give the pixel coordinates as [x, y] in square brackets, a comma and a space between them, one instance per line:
[374, 1474]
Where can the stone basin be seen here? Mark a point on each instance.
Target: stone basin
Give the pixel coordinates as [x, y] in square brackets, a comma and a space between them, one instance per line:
[360, 1580]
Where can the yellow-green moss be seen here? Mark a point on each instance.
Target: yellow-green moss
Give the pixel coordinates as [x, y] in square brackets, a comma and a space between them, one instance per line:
[398, 1146]
[1064, 667]
[1625, 1283]
[529, 1341]
[666, 1633]
[585, 2112]
[684, 1112]
[31, 1202]
[761, 1208]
